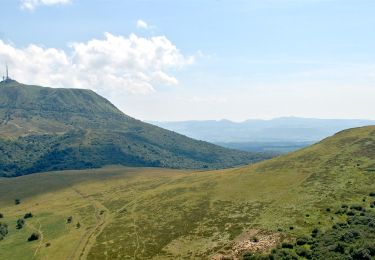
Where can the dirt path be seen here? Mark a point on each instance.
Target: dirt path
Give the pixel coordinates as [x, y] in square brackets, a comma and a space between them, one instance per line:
[136, 235]
[102, 217]
[87, 239]
[41, 238]
[135, 226]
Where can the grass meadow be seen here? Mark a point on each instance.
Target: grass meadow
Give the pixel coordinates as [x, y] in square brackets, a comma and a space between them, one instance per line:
[155, 213]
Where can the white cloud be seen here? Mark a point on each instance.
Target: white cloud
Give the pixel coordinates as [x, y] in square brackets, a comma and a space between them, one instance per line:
[32, 4]
[162, 77]
[142, 24]
[111, 66]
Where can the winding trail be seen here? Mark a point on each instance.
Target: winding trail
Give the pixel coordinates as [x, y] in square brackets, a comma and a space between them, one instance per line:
[40, 232]
[102, 216]
[137, 237]
[135, 226]
[41, 240]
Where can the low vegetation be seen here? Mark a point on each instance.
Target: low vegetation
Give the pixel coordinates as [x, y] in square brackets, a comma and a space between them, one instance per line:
[153, 213]
[352, 236]
[3, 230]
[34, 236]
[20, 223]
[28, 215]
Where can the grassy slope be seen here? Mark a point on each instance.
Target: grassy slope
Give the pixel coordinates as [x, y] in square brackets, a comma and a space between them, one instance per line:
[45, 129]
[161, 214]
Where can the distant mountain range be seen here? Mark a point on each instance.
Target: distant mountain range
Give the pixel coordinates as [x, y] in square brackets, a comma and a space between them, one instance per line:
[45, 129]
[277, 135]
[285, 129]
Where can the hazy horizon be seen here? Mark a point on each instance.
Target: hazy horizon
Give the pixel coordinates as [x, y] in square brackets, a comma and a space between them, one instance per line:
[266, 119]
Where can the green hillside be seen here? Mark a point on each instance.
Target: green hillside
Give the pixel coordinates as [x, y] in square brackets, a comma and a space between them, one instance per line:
[44, 129]
[322, 195]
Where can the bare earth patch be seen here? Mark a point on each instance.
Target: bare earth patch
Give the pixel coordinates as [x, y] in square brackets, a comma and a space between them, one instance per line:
[252, 240]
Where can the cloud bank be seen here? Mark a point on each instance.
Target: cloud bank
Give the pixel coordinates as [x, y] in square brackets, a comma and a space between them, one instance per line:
[32, 4]
[111, 66]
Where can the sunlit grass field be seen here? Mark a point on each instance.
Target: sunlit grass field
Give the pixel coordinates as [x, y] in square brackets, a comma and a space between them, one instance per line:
[154, 213]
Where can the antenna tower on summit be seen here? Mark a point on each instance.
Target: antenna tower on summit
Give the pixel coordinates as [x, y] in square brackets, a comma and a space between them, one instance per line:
[6, 76]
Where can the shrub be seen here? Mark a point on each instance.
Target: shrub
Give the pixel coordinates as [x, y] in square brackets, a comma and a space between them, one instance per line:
[303, 252]
[361, 254]
[342, 224]
[341, 211]
[302, 241]
[350, 236]
[3, 230]
[34, 236]
[356, 207]
[285, 254]
[20, 223]
[17, 201]
[28, 215]
[1, 215]
[252, 256]
[371, 248]
[340, 248]
[69, 220]
[315, 234]
[372, 194]
[78, 225]
[287, 245]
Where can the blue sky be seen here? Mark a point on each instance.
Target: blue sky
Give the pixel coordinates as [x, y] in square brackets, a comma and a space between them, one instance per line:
[214, 59]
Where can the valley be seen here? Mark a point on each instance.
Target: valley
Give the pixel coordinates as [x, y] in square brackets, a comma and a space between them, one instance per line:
[187, 130]
[153, 213]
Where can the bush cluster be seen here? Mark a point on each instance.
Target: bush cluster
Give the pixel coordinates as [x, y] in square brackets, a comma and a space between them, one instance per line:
[3, 230]
[20, 223]
[34, 236]
[350, 239]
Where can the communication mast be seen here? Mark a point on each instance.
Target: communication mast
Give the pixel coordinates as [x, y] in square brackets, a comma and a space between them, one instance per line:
[5, 78]
[7, 74]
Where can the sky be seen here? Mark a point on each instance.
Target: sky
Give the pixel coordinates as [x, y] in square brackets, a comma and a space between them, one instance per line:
[170, 60]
